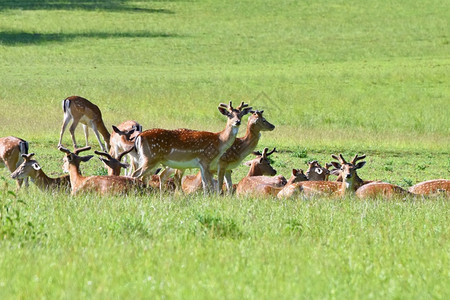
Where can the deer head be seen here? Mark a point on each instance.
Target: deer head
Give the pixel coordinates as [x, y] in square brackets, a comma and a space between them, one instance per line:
[73, 158]
[234, 115]
[348, 170]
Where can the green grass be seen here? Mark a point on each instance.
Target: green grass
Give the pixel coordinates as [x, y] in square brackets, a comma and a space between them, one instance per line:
[333, 76]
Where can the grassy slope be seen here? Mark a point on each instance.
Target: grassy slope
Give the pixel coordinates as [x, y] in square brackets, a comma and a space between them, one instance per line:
[338, 76]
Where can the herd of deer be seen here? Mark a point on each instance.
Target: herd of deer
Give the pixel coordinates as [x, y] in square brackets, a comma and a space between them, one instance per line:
[176, 150]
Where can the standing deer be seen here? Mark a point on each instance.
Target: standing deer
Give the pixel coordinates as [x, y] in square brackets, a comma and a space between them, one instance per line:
[11, 149]
[122, 139]
[432, 188]
[350, 181]
[242, 147]
[80, 110]
[97, 184]
[184, 148]
[31, 168]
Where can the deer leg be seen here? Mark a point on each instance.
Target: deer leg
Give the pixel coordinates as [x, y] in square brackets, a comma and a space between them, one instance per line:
[66, 121]
[98, 137]
[220, 176]
[228, 181]
[86, 134]
[72, 132]
[206, 178]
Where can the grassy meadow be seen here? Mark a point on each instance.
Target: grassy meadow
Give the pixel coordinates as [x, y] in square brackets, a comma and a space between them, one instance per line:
[332, 76]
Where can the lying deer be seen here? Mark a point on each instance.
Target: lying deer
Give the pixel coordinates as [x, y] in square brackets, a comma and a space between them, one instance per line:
[258, 185]
[81, 110]
[122, 139]
[381, 189]
[11, 149]
[350, 181]
[97, 184]
[316, 172]
[183, 148]
[432, 188]
[31, 168]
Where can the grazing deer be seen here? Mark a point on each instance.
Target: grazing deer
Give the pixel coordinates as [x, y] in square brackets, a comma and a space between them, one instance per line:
[31, 168]
[80, 110]
[316, 172]
[11, 149]
[183, 148]
[97, 184]
[255, 183]
[122, 139]
[432, 188]
[350, 181]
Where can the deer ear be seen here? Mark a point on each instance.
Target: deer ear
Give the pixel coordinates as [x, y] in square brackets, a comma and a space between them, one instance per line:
[116, 130]
[295, 172]
[124, 165]
[223, 111]
[318, 171]
[360, 165]
[86, 158]
[36, 166]
[248, 163]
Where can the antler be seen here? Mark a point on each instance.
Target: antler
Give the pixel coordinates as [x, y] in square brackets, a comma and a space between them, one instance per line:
[340, 158]
[356, 158]
[121, 155]
[63, 149]
[79, 150]
[229, 106]
[27, 156]
[103, 154]
[242, 106]
[274, 150]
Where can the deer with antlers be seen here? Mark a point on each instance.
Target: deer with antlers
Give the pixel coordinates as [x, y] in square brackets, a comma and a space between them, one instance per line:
[11, 149]
[183, 148]
[233, 157]
[122, 139]
[350, 181]
[81, 110]
[316, 172]
[31, 168]
[255, 183]
[97, 184]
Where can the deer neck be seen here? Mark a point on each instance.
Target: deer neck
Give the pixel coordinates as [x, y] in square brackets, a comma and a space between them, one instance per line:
[350, 186]
[254, 171]
[41, 179]
[250, 139]
[103, 131]
[75, 176]
[227, 137]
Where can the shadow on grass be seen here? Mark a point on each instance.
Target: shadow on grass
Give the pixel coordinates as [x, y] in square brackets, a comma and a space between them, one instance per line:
[114, 5]
[18, 38]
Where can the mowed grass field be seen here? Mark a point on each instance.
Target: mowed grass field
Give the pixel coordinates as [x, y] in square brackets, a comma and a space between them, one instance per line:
[332, 76]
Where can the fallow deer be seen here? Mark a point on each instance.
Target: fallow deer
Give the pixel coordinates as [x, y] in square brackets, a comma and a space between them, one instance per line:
[381, 189]
[11, 149]
[122, 139]
[31, 168]
[316, 172]
[255, 183]
[114, 167]
[350, 181]
[183, 148]
[432, 188]
[96, 184]
[81, 110]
